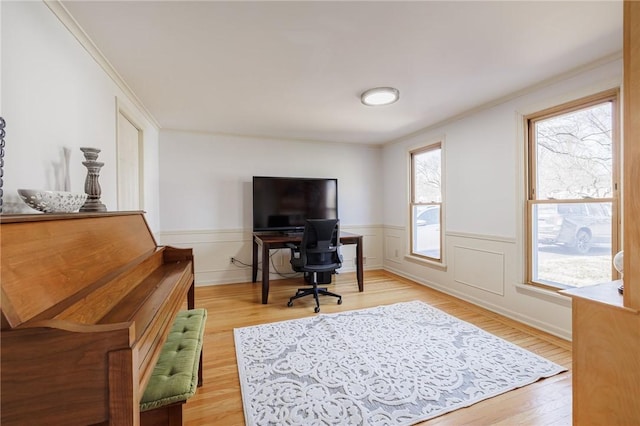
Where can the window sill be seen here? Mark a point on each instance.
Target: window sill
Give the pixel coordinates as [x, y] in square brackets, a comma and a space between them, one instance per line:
[425, 262]
[546, 294]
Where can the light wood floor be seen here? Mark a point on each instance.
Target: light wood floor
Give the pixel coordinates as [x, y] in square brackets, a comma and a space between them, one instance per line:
[218, 401]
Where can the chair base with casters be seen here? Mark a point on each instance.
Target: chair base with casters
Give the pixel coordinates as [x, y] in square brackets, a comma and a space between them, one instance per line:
[315, 291]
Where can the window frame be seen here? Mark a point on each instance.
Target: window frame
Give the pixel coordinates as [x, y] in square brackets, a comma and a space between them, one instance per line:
[612, 96]
[439, 145]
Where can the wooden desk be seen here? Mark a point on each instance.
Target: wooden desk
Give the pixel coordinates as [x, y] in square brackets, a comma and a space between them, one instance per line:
[276, 241]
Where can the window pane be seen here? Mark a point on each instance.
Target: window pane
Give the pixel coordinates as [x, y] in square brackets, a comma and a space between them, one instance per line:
[574, 154]
[571, 243]
[426, 230]
[426, 174]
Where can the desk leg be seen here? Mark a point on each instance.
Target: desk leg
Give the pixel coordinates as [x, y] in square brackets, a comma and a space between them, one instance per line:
[265, 273]
[359, 265]
[254, 272]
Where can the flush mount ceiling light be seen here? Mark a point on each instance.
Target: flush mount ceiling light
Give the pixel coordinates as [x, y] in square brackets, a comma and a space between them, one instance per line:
[380, 96]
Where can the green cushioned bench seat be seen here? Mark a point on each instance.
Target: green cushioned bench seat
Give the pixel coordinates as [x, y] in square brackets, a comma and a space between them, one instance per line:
[175, 376]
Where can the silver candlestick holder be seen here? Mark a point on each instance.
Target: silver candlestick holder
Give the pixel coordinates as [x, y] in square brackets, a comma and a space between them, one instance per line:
[91, 184]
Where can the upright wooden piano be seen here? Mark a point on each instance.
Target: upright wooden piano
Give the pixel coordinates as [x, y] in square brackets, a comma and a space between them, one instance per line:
[87, 302]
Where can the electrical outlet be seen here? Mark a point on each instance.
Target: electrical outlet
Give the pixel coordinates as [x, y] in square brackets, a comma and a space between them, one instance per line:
[231, 260]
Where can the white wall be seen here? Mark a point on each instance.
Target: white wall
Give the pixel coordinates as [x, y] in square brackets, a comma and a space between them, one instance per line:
[198, 187]
[206, 194]
[55, 95]
[484, 204]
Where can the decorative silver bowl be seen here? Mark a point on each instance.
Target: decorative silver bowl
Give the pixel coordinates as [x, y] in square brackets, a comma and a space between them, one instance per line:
[53, 201]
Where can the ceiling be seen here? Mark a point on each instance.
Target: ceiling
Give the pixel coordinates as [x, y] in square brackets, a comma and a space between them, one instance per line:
[295, 69]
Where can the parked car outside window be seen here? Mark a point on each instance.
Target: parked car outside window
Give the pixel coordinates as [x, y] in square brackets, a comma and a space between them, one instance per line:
[576, 226]
[427, 240]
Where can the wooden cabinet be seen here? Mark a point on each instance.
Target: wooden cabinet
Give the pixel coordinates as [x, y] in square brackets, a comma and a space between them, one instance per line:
[606, 325]
[606, 357]
[631, 146]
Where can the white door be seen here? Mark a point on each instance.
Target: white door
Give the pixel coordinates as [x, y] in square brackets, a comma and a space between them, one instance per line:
[129, 153]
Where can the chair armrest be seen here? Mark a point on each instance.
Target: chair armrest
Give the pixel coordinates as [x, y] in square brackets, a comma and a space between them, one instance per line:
[319, 250]
[295, 250]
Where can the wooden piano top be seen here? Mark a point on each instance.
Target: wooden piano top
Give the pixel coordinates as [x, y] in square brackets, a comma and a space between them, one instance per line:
[51, 261]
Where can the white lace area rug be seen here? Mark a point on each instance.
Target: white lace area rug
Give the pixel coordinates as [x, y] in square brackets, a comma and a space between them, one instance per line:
[390, 365]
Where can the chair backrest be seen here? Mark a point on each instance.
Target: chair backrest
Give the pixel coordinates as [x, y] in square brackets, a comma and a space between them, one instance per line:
[320, 243]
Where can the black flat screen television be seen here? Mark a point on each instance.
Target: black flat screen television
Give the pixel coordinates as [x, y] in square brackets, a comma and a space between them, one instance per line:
[285, 203]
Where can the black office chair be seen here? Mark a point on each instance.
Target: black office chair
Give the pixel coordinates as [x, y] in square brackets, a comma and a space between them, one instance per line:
[317, 253]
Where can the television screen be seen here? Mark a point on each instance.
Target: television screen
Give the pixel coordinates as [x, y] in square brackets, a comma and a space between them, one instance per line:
[285, 203]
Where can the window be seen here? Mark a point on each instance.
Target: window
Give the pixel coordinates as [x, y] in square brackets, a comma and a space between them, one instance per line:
[426, 202]
[572, 193]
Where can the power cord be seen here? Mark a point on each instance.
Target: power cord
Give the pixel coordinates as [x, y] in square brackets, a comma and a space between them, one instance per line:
[240, 264]
[283, 274]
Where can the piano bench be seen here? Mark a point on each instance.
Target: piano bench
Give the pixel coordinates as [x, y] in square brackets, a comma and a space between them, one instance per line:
[177, 372]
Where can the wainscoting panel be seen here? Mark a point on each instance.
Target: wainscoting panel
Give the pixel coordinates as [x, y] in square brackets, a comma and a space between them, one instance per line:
[485, 270]
[393, 248]
[482, 269]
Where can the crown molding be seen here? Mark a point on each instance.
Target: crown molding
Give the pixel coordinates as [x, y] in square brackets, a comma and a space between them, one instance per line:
[514, 95]
[256, 136]
[85, 41]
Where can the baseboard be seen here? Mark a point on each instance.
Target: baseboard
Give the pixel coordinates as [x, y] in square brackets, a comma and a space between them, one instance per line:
[524, 319]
